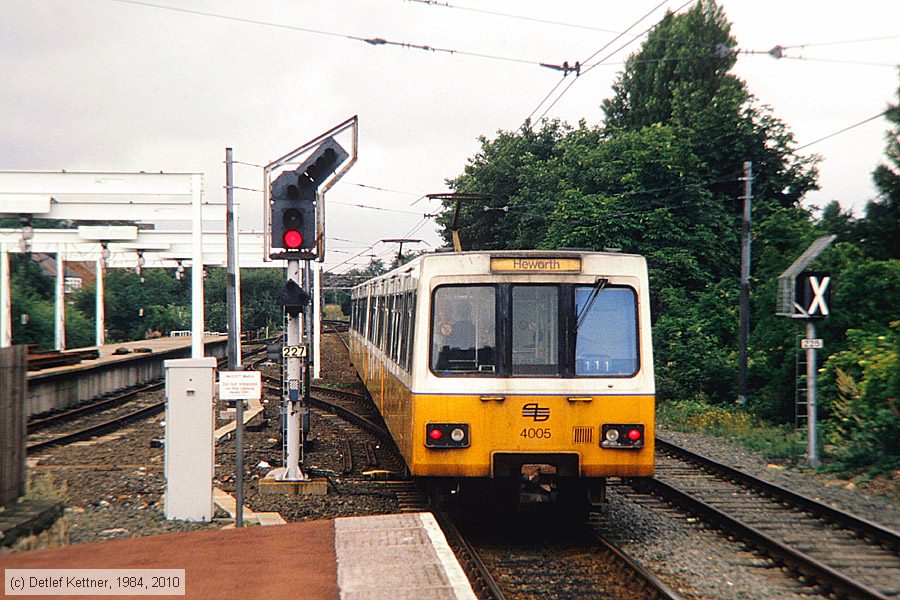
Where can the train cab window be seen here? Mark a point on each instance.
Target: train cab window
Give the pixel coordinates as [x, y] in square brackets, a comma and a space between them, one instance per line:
[463, 334]
[606, 339]
[535, 330]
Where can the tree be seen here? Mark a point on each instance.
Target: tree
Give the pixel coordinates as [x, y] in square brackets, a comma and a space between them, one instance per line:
[881, 228]
[661, 177]
[512, 170]
[681, 77]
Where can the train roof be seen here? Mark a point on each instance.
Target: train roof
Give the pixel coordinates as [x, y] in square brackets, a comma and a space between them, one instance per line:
[478, 255]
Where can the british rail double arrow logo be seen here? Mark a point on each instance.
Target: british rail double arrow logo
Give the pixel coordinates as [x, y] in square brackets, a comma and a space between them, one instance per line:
[533, 411]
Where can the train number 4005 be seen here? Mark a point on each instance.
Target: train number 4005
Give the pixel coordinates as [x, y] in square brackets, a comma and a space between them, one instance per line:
[536, 433]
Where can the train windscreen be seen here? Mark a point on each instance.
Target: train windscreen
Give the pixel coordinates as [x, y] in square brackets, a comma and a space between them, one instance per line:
[606, 341]
[463, 340]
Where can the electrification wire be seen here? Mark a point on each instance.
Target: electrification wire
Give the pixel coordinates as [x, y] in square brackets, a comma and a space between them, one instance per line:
[856, 41]
[396, 210]
[381, 189]
[602, 48]
[551, 22]
[358, 254]
[239, 162]
[374, 41]
[777, 54]
[840, 61]
[831, 135]
[512, 16]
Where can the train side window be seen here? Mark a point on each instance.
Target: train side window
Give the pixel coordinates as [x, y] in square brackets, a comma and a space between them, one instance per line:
[404, 330]
[395, 327]
[379, 324]
[389, 326]
[464, 331]
[535, 330]
[606, 340]
[411, 334]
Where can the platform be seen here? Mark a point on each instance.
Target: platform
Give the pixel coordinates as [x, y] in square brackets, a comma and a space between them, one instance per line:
[61, 387]
[355, 558]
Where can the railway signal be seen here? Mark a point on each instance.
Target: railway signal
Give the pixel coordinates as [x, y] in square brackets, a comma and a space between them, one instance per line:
[293, 202]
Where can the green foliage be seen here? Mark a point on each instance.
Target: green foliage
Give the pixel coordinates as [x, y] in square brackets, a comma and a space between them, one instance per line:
[32, 303]
[139, 306]
[260, 298]
[881, 228]
[699, 416]
[861, 400]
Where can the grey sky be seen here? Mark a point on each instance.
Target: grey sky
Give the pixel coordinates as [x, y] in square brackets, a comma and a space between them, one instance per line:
[106, 85]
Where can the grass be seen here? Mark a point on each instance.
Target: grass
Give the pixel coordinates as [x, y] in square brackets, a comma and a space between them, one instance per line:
[773, 441]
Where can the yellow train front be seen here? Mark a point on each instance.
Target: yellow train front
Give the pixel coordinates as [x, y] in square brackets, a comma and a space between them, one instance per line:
[511, 366]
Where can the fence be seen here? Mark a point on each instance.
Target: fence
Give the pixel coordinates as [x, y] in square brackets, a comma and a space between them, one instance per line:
[13, 389]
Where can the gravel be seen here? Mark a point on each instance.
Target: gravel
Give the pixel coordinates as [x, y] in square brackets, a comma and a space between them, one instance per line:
[113, 487]
[839, 493]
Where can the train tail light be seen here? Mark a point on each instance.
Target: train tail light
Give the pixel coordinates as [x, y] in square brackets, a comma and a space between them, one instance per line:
[447, 435]
[624, 436]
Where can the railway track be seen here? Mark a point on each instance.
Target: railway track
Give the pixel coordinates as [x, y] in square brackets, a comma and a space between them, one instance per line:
[842, 554]
[552, 556]
[35, 425]
[101, 416]
[137, 409]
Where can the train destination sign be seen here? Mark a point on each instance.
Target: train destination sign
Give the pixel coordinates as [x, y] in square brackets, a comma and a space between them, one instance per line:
[535, 264]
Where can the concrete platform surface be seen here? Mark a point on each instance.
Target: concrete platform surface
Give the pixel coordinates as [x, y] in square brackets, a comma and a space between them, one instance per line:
[389, 556]
[108, 352]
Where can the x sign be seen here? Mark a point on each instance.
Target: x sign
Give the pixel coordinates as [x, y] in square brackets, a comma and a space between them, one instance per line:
[813, 293]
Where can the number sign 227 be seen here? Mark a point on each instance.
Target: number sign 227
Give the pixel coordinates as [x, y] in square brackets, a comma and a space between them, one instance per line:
[293, 351]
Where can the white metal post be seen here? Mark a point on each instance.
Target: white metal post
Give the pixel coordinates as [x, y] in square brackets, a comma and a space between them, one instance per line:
[812, 455]
[101, 314]
[294, 380]
[317, 319]
[197, 315]
[5, 300]
[60, 323]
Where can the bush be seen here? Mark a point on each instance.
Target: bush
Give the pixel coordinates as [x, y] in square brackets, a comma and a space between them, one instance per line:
[698, 416]
[861, 415]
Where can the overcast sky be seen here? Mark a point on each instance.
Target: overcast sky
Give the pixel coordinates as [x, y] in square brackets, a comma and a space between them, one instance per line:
[117, 86]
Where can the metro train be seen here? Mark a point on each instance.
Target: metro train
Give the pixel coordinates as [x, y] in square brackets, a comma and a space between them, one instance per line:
[516, 369]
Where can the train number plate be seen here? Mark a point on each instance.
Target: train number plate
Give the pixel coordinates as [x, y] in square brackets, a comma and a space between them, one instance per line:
[293, 351]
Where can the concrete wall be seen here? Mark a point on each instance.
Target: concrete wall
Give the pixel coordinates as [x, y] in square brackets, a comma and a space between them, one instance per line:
[73, 385]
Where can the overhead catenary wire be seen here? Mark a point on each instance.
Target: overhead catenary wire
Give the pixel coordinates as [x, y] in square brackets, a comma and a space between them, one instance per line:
[511, 16]
[373, 41]
[587, 69]
[840, 131]
[854, 41]
[552, 22]
[381, 208]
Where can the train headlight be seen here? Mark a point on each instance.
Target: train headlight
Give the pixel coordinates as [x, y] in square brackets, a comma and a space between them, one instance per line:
[447, 435]
[622, 435]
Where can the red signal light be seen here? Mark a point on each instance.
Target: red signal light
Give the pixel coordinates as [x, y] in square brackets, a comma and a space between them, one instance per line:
[293, 239]
[634, 435]
[435, 434]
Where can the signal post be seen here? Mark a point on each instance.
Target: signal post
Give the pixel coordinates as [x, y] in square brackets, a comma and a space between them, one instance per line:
[294, 212]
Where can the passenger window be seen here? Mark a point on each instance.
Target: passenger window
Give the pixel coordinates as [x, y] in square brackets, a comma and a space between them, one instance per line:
[606, 341]
[535, 330]
[463, 338]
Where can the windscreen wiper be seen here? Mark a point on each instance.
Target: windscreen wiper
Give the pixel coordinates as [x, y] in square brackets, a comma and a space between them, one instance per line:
[599, 285]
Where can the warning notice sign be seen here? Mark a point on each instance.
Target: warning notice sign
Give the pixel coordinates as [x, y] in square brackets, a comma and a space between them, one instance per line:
[240, 385]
